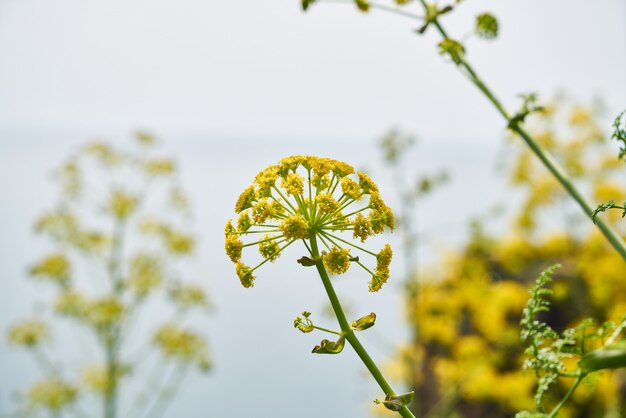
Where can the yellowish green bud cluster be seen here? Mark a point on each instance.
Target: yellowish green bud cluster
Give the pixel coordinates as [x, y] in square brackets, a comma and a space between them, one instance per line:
[454, 49]
[122, 204]
[337, 260]
[313, 200]
[174, 241]
[52, 394]
[145, 274]
[304, 323]
[104, 312]
[159, 167]
[486, 26]
[96, 377]
[188, 296]
[55, 267]
[182, 344]
[28, 333]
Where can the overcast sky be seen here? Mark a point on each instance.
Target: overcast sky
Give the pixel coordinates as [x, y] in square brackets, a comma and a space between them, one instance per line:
[264, 69]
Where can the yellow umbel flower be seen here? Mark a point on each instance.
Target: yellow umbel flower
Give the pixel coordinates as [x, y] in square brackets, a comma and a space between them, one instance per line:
[188, 296]
[122, 204]
[28, 333]
[55, 267]
[104, 312]
[176, 342]
[310, 199]
[96, 377]
[159, 167]
[53, 394]
[145, 274]
[337, 260]
[71, 303]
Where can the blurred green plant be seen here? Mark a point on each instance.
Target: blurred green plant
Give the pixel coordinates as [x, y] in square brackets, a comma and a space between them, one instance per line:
[619, 134]
[487, 27]
[116, 234]
[465, 357]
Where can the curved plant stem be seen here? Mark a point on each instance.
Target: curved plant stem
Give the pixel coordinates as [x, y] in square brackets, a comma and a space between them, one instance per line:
[349, 333]
[546, 158]
[569, 393]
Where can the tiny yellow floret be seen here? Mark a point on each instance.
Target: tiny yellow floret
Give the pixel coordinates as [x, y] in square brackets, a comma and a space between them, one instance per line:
[245, 199]
[269, 248]
[295, 227]
[293, 184]
[326, 203]
[350, 188]
[233, 248]
[245, 274]
[337, 260]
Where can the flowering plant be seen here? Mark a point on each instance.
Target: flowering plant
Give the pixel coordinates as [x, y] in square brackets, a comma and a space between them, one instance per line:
[317, 201]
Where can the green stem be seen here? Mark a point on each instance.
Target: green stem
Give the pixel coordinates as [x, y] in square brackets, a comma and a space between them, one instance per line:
[349, 333]
[330, 331]
[111, 336]
[567, 396]
[546, 158]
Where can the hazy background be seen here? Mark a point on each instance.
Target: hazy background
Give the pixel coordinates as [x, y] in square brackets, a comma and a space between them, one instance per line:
[231, 87]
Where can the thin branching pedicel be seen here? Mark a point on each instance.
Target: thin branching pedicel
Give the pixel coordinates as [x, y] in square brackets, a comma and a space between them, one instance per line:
[324, 204]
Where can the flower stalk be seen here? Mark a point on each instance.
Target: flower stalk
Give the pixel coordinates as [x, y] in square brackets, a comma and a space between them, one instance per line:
[515, 125]
[303, 198]
[348, 332]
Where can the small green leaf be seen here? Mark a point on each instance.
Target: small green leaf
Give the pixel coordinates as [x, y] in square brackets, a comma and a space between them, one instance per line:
[603, 207]
[306, 261]
[306, 4]
[330, 347]
[364, 322]
[363, 5]
[609, 357]
[396, 402]
[619, 132]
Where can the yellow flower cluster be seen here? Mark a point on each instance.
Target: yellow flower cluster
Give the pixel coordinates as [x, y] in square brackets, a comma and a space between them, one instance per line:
[188, 296]
[145, 274]
[176, 242]
[52, 394]
[55, 267]
[104, 153]
[104, 312]
[314, 200]
[28, 333]
[122, 204]
[159, 167]
[96, 378]
[71, 303]
[62, 226]
[182, 344]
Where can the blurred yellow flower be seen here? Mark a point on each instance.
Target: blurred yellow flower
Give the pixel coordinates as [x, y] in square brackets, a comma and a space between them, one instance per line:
[54, 266]
[28, 333]
[52, 393]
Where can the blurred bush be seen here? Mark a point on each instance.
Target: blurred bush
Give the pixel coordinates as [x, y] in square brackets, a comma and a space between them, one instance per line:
[466, 357]
[116, 237]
